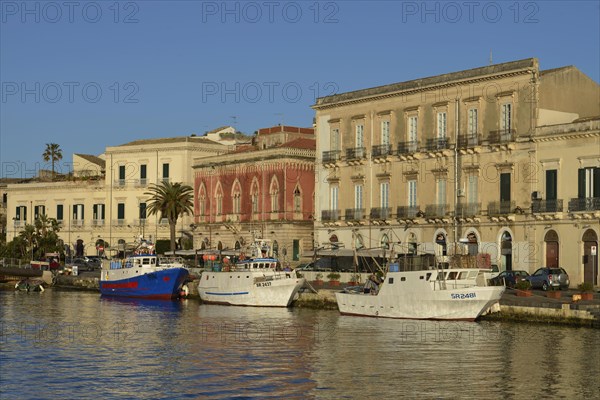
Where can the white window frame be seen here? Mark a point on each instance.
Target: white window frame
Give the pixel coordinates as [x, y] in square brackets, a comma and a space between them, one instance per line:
[360, 135]
[384, 195]
[506, 117]
[385, 132]
[442, 126]
[334, 197]
[472, 187]
[413, 123]
[472, 120]
[358, 197]
[441, 191]
[412, 193]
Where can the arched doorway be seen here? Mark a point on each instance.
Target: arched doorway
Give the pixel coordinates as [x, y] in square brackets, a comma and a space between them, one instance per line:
[506, 250]
[590, 262]
[440, 241]
[473, 244]
[551, 242]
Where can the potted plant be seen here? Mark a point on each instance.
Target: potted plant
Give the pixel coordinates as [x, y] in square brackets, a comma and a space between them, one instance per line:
[319, 278]
[553, 292]
[354, 279]
[587, 290]
[334, 278]
[523, 288]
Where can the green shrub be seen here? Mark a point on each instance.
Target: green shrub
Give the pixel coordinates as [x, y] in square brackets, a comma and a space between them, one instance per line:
[523, 285]
[333, 276]
[586, 287]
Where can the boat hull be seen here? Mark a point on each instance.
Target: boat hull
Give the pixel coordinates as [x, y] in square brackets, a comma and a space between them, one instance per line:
[161, 284]
[421, 300]
[241, 289]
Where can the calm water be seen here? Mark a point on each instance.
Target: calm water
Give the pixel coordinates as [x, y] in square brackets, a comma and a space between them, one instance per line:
[77, 345]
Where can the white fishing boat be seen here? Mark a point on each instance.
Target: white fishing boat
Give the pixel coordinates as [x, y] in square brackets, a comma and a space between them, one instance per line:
[258, 281]
[438, 294]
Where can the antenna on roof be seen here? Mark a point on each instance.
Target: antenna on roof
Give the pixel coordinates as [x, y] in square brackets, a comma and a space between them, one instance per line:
[281, 115]
[491, 60]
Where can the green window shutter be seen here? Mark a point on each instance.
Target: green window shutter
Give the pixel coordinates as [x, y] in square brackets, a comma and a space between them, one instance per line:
[581, 183]
[596, 182]
[551, 190]
[505, 187]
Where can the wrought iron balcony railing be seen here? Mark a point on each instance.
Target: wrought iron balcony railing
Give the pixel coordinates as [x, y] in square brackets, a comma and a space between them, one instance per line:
[547, 206]
[331, 156]
[501, 207]
[357, 153]
[381, 150]
[330, 215]
[403, 212]
[355, 214]
[584, 204]
[467, 141]
[468, 209]
[436, 210]
[438, 144]
[381, 213]
[408, 147]
[502, 136]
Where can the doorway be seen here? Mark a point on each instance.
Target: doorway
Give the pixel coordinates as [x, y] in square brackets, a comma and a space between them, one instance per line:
[551, 240]
[590, 262]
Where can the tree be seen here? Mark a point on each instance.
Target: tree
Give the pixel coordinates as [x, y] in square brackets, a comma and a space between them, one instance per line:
[171, 200]
[52, 153]
[30, 236]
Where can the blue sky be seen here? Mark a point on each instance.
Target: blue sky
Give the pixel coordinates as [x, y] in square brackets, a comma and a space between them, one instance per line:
[87, 75]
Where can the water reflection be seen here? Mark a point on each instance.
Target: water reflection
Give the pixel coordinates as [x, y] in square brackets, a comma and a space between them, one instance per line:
[78, 345]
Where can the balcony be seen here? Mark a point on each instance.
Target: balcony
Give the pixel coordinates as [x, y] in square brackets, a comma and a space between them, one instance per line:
[437, 144]
[141, 182]
[408, 212]
[77, 223]
[547, 206]
[381, 150]
[502, 136]
[330, 215]
[331, 156]
[501, 208]
[466, 210]
[119, 222]
[584, 204]
[469, 141]
[355, 214]
[436, 210]
[380, 213]
[405, 148]
[97, 222]
[356, 154]
[120, 183]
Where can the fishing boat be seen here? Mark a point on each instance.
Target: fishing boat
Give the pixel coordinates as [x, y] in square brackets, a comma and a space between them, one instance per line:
[438, 294]
[30, 285]
[257, 281]
[143, 274]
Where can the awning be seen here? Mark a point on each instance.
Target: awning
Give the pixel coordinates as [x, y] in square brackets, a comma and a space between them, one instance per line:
[347, 253]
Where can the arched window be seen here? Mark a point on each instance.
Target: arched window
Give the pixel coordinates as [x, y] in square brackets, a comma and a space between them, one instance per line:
[254, 196]
[297, 199]
[219, 199]
[236, 195]
[385, 242]
[202, 200]
[274, 192]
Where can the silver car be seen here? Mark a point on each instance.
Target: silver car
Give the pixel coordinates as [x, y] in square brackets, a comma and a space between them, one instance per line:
[546, 278]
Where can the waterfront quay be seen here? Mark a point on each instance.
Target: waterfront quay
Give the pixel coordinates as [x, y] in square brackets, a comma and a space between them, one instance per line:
[537, 308]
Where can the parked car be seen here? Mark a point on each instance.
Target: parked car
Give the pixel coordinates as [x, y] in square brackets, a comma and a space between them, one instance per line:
[545, 278]
[94, 261]
[81, 264]
[509, 278]
[311, 267]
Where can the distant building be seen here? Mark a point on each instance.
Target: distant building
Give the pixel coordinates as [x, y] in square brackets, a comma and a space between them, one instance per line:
[104, 199]
[261, 190]
[501, 161]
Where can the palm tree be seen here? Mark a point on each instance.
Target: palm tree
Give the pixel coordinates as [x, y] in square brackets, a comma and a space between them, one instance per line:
[30, 236]
[52, 153]
[172, 200]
